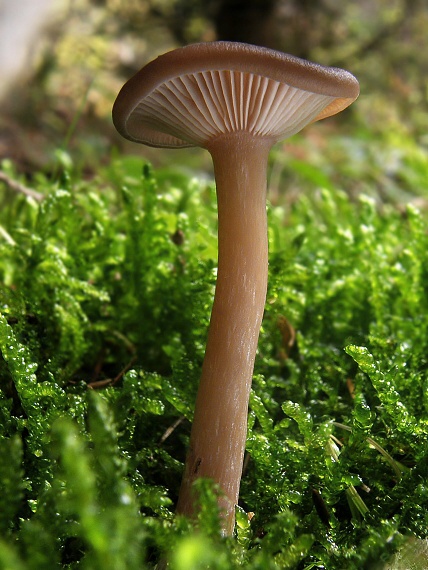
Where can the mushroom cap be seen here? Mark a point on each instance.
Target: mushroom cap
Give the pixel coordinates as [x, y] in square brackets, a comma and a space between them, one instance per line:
[194, 94]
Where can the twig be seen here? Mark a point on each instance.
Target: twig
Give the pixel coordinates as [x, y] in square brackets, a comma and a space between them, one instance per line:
[169, 431]
[18, 187]
[112, 381]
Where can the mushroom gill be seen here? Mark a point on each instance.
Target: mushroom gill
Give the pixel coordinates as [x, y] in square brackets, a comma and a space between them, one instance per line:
[198, 107]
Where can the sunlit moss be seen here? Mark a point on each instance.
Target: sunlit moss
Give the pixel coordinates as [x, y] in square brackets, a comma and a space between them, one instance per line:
[105, 295]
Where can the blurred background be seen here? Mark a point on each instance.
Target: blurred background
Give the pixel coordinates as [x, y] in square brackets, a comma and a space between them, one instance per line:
[62, 63]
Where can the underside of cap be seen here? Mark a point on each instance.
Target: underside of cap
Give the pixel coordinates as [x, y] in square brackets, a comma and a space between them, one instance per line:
[192, 95]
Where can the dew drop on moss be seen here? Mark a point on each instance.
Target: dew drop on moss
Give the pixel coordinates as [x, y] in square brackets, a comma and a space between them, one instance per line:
[363, 415]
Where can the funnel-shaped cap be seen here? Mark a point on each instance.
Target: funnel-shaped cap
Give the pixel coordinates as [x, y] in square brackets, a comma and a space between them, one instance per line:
[192, 95]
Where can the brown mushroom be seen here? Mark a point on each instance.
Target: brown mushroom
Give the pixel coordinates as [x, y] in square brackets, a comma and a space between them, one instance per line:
[236, 101]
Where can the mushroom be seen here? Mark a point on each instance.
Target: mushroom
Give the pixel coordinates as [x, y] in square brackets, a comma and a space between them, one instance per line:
[234, 100]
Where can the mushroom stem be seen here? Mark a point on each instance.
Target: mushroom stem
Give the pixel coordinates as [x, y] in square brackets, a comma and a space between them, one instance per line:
[219, 429]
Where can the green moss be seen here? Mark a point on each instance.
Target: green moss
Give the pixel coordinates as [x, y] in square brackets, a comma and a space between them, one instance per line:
[105, 296]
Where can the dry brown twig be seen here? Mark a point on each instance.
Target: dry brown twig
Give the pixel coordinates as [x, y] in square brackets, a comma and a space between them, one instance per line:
[20, 188]
[169, 431]
[112, 381]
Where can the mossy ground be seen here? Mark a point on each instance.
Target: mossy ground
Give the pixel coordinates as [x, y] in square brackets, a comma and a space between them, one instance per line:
[105, 294]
